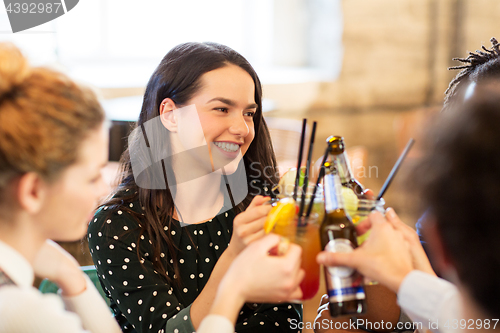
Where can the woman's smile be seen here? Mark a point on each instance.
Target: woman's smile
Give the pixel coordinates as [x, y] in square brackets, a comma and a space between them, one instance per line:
[229, 149]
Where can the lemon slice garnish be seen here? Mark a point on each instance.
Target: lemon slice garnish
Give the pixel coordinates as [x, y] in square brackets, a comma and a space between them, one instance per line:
[282, 214]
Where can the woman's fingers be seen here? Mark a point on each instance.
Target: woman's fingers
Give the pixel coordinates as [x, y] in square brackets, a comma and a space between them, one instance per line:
[258, 201]
[247, 229]
[253, 214]
[258, 235]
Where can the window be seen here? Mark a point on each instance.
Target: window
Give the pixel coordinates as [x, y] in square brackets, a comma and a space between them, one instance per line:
[113, 43]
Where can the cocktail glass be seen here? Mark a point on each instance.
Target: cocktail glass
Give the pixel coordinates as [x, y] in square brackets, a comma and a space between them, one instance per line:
[305, 233]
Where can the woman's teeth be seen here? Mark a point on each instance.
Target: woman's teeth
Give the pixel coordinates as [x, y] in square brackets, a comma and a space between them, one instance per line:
[227, 146]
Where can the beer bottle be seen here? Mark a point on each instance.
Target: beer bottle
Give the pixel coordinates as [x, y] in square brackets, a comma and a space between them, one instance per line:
[345, 286]
[340, 159]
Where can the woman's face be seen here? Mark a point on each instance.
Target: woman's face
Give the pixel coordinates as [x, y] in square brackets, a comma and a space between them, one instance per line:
[71, 199]
[225, 106]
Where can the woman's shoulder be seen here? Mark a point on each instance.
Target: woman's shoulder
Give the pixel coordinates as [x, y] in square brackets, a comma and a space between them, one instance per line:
[123, 214]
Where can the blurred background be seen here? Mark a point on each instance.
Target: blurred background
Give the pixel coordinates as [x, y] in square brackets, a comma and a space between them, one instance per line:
[373, 72]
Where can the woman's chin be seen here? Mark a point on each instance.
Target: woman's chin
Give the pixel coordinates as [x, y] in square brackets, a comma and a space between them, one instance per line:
[224, 162]
[229, 168]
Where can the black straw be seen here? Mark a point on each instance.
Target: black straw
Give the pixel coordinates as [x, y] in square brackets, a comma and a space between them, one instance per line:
[308, 168]
[299, 159]
[395, 168]
[320, 175]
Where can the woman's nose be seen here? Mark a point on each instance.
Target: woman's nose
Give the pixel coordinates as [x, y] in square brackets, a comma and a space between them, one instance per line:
[239, 126]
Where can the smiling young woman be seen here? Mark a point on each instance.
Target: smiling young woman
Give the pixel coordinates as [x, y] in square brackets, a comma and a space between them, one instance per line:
[161, 252]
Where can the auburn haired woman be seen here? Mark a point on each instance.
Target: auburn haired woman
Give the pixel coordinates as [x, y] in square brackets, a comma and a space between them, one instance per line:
[53, 144]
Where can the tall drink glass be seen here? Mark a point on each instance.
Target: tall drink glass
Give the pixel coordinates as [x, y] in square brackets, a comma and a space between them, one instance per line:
[305, 233]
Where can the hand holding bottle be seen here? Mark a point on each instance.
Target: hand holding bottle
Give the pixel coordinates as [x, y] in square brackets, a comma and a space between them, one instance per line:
[385, 256]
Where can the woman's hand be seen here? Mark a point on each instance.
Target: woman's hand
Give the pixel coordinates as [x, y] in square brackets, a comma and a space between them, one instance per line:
[257, 276]
[263, 278]
[54, 263]
[248, 226]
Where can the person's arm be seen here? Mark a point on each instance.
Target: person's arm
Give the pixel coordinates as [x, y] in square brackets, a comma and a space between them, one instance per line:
[388, 256]
[255, 276]
[430, 300]
[27, 310]
[79, 294]
[92, 309]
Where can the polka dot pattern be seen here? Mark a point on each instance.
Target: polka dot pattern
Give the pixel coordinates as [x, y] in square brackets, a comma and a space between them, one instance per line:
[143, 301]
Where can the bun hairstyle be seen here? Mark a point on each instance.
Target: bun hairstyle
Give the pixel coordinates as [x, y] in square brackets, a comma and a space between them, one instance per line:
[44, 117]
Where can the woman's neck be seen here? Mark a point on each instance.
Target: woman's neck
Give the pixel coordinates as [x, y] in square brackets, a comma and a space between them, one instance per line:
[22, 236]
[198, 200]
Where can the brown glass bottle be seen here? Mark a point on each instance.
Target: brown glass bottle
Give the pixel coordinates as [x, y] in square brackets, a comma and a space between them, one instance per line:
[340, 159]
[344, 285]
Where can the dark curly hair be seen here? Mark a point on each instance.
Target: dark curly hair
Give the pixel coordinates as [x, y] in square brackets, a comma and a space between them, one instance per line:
[478, 66]
[459, 180]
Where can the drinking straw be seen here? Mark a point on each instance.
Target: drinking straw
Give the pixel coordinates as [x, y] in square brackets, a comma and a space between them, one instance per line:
[395, 168]
[308, 168]
[320, 175]
[299, 159]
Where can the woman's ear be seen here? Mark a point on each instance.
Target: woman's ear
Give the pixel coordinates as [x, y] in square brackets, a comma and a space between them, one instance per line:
[30, 192]
[167, 115]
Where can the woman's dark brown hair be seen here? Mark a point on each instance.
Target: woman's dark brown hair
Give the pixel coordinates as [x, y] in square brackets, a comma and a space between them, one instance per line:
[459, 179]
[178, 77]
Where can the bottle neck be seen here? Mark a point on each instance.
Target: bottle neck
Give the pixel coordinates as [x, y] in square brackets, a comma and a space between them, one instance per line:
[333, 191]
[343, 167]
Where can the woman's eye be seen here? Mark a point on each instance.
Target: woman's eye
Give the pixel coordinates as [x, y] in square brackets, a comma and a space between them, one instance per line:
[250, 113]
[222, 110]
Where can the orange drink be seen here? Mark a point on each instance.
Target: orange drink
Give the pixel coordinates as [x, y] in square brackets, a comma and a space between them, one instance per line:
[306, 235]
